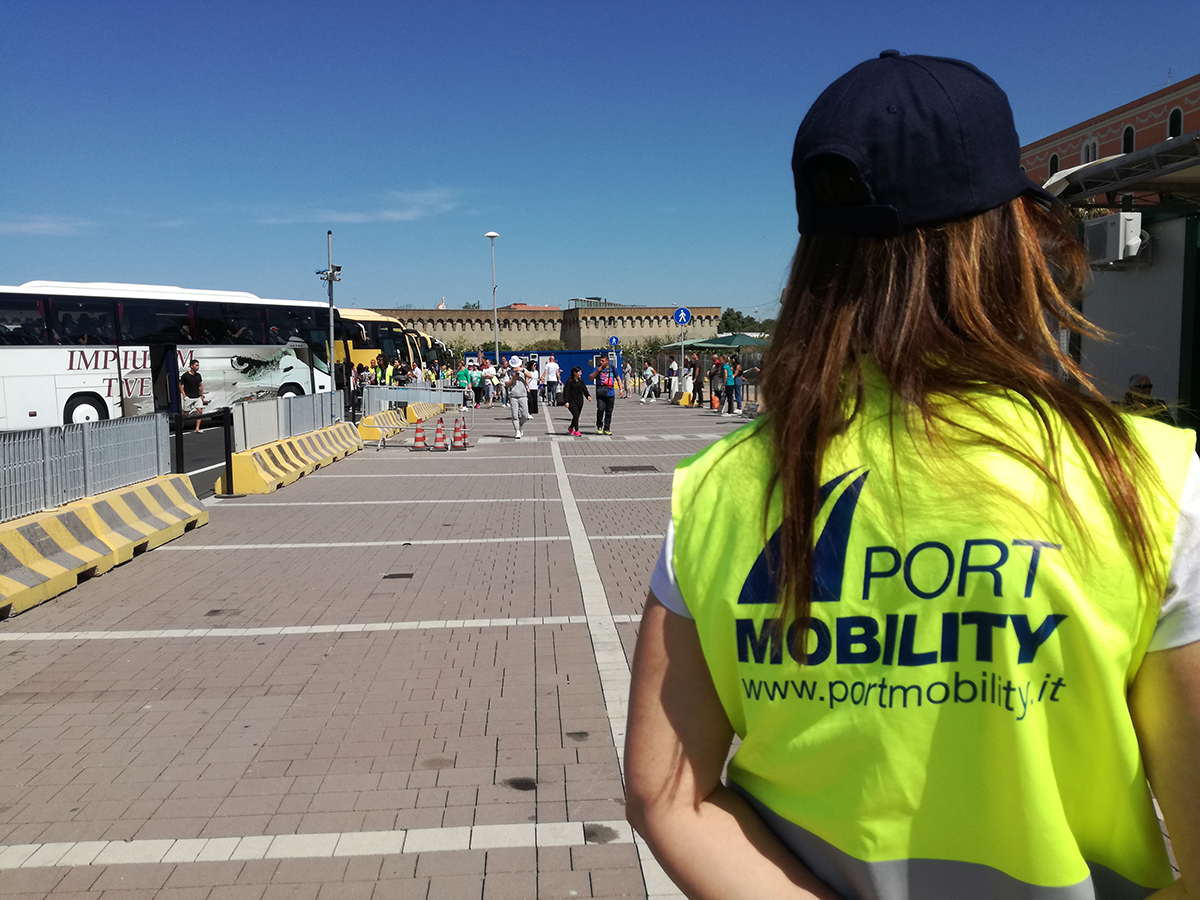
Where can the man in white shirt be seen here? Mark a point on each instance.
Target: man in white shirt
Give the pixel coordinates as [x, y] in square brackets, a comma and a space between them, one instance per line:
[489, 382]
[672, 377]
[550, 377]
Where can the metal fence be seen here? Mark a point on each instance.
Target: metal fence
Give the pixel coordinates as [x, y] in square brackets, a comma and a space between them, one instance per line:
[47, 467]
[258, 422]
[377, 399]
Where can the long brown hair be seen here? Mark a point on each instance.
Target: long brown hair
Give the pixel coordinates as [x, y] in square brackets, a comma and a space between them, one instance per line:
[943, 311]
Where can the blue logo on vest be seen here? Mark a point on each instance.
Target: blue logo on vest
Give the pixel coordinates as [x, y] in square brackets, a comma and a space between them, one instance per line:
[829, 555]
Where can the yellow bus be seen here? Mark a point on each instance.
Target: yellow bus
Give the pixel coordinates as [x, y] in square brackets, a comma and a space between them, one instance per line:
[364, 334]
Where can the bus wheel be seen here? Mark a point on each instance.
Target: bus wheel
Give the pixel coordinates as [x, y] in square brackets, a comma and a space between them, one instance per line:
[84, 408]
[291, 390]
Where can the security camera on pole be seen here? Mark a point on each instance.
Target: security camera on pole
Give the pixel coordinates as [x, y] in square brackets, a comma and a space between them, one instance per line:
[329, 275]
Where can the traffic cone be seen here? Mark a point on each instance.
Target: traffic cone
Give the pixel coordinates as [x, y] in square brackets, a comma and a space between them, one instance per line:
[439, 439]
[466, 437]
[419, 438]
[458, 437]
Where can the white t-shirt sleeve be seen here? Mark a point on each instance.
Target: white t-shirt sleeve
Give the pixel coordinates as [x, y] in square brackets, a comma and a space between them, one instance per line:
[1179, 618]
[662, 582]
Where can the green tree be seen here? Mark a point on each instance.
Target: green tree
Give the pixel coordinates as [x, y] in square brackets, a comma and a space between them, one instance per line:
[734, 321]
[548, 345]
[471, 304]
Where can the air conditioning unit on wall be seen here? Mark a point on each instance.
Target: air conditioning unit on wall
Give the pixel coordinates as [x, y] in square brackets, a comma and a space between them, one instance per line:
[1113, 238]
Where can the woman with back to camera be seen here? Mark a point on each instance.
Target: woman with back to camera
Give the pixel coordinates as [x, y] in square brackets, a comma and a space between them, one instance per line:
[926, 589]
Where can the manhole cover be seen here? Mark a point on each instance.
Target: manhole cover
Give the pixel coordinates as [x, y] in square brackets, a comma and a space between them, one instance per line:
[626, 470]
[399, 575]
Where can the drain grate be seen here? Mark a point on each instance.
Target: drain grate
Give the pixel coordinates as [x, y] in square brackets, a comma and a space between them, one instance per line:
[626, 470]
[399, 575]
[224, 612]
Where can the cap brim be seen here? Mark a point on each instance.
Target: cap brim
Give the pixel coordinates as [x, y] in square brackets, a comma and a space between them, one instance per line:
[1041, 195]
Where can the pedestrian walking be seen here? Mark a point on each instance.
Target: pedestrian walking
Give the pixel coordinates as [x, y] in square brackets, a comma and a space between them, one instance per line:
[954, 618]
[551, 374]
[516, 380]
[727, 368]
[575, 392]
[476, 383]
[531, 379]
[697, 382]
[463, 379]
[606, 385]
[649, 380]
[738, 383]
[191, 388]
[489, 382]
[716, 382]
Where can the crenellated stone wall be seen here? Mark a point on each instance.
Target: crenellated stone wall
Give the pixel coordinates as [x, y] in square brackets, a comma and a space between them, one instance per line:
[578, 329]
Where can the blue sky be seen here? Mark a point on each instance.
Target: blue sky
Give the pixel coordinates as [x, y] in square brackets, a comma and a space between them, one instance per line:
[636, 151]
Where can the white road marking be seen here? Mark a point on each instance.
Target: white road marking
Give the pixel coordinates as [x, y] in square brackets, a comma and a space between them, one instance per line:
[609, 653]
[219, 465]
[312, 846]
[283, 630]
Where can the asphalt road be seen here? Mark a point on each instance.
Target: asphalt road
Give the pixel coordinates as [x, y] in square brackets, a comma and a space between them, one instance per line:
[203, 457]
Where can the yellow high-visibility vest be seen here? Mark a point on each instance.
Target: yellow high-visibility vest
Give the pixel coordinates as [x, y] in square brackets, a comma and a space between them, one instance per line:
[960, 728]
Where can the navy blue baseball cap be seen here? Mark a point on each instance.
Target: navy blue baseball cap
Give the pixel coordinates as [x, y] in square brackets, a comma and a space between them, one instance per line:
[923, 139]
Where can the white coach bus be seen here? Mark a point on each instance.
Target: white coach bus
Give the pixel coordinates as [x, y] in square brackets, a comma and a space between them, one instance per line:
[84, 352]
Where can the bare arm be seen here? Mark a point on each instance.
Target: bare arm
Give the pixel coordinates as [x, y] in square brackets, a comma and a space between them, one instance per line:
[1165, 702]
[711, 843]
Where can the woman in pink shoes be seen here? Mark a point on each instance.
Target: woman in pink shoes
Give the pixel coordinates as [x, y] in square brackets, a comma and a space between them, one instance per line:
[574, 393]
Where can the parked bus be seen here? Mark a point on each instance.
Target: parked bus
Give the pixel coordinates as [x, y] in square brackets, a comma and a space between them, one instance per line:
[74, 352]
[363, 334]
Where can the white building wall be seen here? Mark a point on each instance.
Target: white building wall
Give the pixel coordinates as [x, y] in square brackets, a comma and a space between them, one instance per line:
[1142, 310]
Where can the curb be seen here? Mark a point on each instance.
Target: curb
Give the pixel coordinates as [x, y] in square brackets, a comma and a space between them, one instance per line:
[382, 425]
[45, 554]
[280, 463]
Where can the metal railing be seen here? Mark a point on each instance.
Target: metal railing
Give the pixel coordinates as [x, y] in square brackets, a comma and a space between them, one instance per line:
[47, 467]
[258, 422]
[376, 399]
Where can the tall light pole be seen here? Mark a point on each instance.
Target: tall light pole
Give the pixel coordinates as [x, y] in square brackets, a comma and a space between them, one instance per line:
[491, 236]
[330, 275]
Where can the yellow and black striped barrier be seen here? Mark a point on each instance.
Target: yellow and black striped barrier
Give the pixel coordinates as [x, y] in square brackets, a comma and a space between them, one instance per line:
[45, 554]
[382, 425]
[419, 412]
[280, 463]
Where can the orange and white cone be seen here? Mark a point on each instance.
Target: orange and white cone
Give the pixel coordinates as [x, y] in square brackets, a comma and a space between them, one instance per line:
[466, 437]
[439, 439]
[419, 438]
[458, 437]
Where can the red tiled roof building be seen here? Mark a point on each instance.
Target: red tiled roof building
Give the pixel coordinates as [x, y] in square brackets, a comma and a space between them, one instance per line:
[1149, 120]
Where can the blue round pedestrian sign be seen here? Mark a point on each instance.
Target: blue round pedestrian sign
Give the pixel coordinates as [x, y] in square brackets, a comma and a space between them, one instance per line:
[613, 341]
[683, 315]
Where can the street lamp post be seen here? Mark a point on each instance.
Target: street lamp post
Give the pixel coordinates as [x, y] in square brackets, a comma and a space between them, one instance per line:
[491, 236]
[331, 274]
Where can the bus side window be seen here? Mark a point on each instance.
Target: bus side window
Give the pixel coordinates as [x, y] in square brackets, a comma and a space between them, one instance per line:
[21, 320]
[229, 323]
[82, 321]
[156, 322]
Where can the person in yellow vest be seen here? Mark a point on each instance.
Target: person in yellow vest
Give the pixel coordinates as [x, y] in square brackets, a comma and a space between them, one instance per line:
[948, 600]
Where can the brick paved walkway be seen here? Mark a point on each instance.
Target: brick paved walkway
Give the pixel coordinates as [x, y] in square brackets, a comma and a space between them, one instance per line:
[402, 677]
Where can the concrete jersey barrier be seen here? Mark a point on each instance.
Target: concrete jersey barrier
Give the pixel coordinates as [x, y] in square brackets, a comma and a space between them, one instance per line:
[382, 425]
[45, 554]
[280, 463]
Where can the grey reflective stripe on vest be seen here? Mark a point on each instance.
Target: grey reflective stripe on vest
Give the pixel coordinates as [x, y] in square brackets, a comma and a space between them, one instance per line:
[930, 879]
